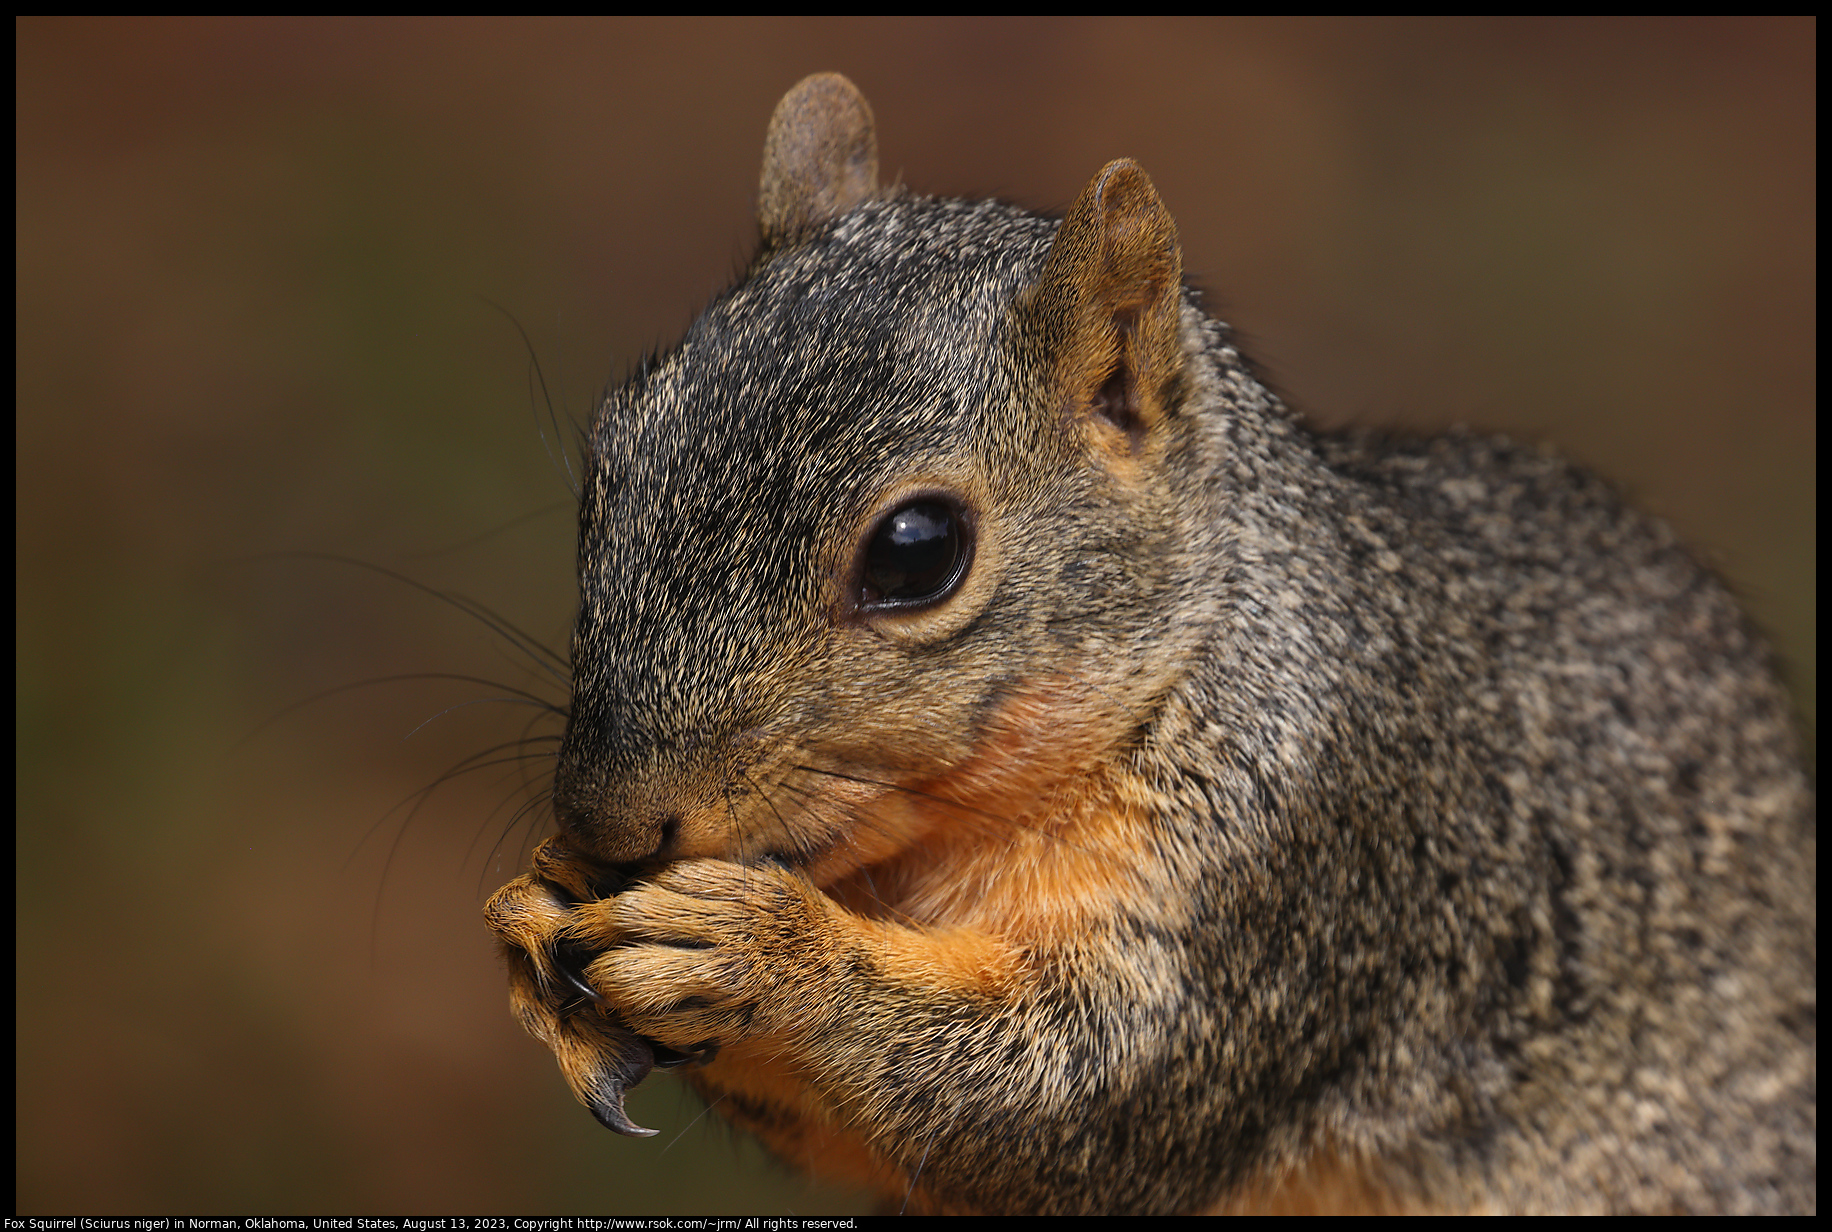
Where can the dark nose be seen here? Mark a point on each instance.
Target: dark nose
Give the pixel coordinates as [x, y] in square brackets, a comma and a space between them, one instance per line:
[623, 835]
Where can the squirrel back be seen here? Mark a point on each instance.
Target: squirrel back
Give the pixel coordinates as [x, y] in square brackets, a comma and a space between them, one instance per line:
[1030, 770]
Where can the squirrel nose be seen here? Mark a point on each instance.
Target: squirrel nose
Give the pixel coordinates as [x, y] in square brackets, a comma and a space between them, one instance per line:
[620, 837]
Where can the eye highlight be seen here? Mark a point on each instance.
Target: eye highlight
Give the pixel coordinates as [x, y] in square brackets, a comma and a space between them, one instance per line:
[917, 556]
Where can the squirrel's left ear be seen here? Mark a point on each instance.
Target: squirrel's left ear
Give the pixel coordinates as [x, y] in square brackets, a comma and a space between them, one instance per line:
[1108, 306]
[819, 160]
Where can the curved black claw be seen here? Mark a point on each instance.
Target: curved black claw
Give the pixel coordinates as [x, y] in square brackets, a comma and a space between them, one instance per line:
[610, 1114]
[570, 960]
[630, 1058]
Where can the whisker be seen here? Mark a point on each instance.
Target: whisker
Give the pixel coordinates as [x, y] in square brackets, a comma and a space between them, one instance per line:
[539, 377]
[520, 697]
[543, 659]
[916, 1176]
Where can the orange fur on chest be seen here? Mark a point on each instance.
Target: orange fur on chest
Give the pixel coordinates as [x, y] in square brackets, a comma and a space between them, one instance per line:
[1032, 834]
[1031, 840]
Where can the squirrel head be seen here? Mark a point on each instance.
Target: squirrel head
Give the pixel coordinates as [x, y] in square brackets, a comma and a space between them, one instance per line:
[892, 539]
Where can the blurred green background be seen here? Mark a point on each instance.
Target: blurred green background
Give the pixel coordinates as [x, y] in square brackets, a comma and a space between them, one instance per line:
[256, 264]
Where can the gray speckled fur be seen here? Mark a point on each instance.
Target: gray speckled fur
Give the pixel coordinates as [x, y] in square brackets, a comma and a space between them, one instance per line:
[1483, 851]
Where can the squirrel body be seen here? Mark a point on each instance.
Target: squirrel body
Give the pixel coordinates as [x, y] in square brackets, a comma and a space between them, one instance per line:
[1030, 770]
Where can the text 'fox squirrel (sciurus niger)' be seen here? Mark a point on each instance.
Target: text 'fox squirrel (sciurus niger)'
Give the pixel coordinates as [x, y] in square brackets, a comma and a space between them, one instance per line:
[1029, 770]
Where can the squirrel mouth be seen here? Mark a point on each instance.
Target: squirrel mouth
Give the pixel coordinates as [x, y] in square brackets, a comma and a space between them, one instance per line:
[799, 856]
[809, 857]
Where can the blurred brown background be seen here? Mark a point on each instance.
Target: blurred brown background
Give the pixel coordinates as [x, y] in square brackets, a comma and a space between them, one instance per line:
[255, 267]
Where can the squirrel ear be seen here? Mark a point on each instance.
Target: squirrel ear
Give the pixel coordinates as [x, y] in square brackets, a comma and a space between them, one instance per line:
[820, 158]
[1108, 306]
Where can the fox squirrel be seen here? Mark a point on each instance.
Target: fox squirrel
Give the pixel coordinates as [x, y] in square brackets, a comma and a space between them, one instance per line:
[1029, 770]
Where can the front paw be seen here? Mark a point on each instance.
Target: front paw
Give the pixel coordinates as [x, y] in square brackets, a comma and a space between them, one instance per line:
[599, 1055]
[707, 953]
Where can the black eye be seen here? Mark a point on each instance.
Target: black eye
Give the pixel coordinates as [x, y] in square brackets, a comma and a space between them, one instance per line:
[917, 556]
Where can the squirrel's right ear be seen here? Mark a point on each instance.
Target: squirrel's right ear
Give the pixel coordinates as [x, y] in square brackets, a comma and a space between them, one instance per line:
[819, 160]
[1108, 306]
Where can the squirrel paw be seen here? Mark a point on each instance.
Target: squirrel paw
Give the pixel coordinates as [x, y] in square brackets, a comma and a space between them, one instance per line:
[619, 978]
[599, 1055]
[706, 953]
